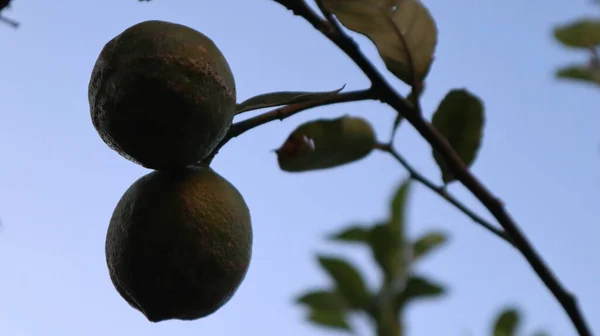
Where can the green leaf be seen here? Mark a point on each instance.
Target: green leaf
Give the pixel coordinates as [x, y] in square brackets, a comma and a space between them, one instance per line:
[427, 243]
[386, 251]
[580, 73]
[584, 33]
[329, 319]
[540, 333]
[273, 99]
[322, 144]
[403, 32]
[323, 300]
[398, 211]
[348, 281]
[353, 234]
[506, 323]
[418, 287]
[459, 118]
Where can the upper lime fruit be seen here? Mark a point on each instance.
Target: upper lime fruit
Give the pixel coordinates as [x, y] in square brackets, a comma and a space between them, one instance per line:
[162, 95]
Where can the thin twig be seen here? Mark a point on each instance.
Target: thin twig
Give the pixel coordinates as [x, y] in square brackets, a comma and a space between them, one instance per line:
[9, 22]
[387, 95]
[289, 110]
[415, 175]
[286, 112]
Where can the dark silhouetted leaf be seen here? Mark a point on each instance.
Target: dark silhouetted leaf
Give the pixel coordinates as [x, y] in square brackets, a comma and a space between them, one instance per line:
[580, 73]
[460, 119]
[427, 243]
[323, 300]
[506, 323]
[403, 32]
[322, 144]
[353, 234]
[583, 33]
[329, 319]
[418, 287]
[348, 281]
[281, 98]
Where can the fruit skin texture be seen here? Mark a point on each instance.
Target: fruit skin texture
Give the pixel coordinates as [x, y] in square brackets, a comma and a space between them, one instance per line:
[162, 94]
[179, 243]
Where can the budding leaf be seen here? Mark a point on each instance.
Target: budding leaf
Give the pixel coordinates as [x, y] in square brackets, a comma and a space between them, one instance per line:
[322, 144]
[403, 32]
[348, 281]
[459, 118]
[580, 34]
[281, 98]
[580, 73]
[427, 243]
[506, 323]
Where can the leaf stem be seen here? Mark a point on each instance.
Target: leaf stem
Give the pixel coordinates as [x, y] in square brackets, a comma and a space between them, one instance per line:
[287, 111]
[387, 95]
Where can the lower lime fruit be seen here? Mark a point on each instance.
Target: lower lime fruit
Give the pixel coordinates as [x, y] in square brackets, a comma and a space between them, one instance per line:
[179, 243]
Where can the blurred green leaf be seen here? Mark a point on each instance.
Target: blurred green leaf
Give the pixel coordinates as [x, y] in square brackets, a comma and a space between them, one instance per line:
[403, 32]
[384, 249]
[329, 319]
[584, 33]
[352, 234]
[418, 287]
[322, 144]
[459, 118]
[540, 333]
[398, 211]
[348, 281]
[580, 73]
[506, 323]
[279, 98]
[323, 300]
[427, 243]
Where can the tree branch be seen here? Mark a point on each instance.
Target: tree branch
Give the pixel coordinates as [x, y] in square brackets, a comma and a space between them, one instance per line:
[415, 175]
[387, 95]
[289, 110]
[286, 112]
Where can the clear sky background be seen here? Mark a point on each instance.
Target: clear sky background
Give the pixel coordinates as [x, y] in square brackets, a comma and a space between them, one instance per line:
[59, 182]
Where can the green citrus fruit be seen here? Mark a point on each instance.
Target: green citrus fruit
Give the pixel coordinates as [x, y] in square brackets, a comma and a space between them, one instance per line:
[162, 95]
[179, 243]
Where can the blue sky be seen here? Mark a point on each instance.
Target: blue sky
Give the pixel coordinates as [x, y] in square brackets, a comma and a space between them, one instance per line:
[59, 182]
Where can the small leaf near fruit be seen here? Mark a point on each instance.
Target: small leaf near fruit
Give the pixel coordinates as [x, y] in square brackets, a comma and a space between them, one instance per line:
[403, 31]
[322, 144]
[280, 98]
[459, 118]
[580, 34]
[581, 73]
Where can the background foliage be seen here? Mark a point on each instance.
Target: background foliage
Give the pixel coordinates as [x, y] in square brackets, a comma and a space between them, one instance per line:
[325, 310]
